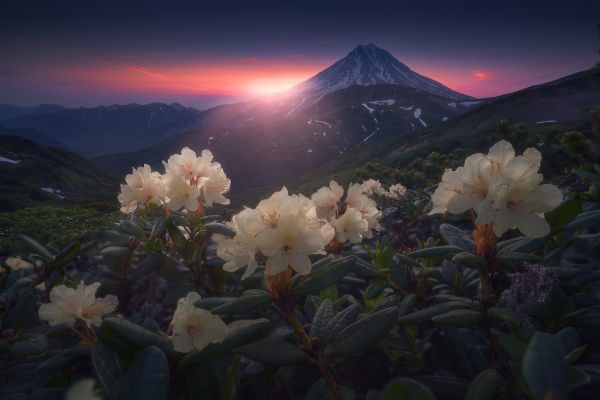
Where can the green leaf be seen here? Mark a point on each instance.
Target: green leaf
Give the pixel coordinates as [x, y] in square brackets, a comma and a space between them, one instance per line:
[36, 248]
[446, 386]
[576, 377]
[209, 303]
[30, 345]
[176, 235]
[244, 304]
[364, 269]
[592, 176]
[521, 244]
[321, 391]
[458, 318]
[425, 315]
[216, 227]
[407, 260]
[406, 389]
[543, 368]
[321, 319]
[117, 258]
[513, 346]
[66, 255]
[147, 378]
[457, 237]
[483, 386]
[520, 257]
[21, 315]
[575, 354]
[132, 229]
[470, 260]
[569, 338]
[365, 332]
[160, 226]
[566, 212]
[136, 335]
[504, 314]
[584, 220]
[407, 304]
[438, 251]
[339, 322]
[108, 370]
[228, 388]
[275, 353]
[592, 370]
[241, 332]
[375, 289]
[324, 276]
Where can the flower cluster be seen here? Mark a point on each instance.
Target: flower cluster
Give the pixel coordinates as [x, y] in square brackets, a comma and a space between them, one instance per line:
[193, 327]
[355, 216]
[189, 182]
[504, 190]
[68, 305]
[283, 229]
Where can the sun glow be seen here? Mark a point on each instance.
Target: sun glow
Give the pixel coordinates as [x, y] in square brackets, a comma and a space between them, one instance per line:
[268, 86]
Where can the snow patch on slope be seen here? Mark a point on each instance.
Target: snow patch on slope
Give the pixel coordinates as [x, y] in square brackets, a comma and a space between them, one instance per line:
[8, 160]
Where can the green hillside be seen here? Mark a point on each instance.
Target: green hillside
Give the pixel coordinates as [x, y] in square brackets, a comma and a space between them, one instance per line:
[34, 175]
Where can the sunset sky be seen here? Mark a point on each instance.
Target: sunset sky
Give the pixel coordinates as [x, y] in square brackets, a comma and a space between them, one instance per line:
[85, 53]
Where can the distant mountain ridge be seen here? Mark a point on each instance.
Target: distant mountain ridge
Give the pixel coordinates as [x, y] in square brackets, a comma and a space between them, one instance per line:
[32, 134]
[101, 130]
[368, 65]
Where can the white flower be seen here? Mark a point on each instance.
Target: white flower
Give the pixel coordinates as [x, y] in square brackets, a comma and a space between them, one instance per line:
[188, 165]
[351, 226]
[296, 236]
[367, 206]
[371, 187]
[283, 228]
[83, 389]
[327, 200]
[240, 251]
[503, 189]
[68, 305]
[17, 263]
[180, 193]
[395, 191]
[195, 328]
[271, 208]
[215, 186]
[142, 186]
[194, 180]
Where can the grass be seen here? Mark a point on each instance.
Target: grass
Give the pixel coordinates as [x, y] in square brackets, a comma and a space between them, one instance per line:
[57, 226]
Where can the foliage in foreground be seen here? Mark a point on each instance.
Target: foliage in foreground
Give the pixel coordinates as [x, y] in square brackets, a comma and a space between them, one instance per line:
[422, 310]
[55, 226]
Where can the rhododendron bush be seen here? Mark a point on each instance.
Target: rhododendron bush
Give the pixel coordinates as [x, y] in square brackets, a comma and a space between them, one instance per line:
[485, 287]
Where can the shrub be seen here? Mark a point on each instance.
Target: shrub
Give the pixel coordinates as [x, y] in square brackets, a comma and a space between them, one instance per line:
[316, 298]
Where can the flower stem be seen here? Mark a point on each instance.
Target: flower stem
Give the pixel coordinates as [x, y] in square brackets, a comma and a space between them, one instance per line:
[299, 329]
[320, 361]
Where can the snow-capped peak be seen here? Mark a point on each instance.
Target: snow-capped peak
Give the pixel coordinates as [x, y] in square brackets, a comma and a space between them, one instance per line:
[370, 65]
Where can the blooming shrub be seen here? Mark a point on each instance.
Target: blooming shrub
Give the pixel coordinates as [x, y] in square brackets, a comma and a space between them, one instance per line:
[350, 293]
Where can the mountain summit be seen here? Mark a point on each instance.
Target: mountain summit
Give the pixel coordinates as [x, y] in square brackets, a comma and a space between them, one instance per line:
[368, 65]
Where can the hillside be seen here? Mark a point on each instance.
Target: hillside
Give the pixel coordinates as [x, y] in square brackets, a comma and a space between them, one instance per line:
[274, 139]
[32, 134]
[102, 130]
[269, 151]
[543, 111]
[33, 175]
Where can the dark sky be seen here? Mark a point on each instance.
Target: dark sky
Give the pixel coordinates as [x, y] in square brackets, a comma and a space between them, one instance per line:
[204, 53]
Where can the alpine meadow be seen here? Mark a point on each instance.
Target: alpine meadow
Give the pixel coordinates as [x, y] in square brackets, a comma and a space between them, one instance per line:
[254, 201]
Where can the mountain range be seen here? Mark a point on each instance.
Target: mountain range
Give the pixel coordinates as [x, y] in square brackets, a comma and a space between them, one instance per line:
[364, 107]
[97, 131]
